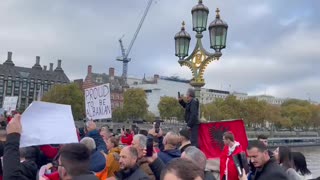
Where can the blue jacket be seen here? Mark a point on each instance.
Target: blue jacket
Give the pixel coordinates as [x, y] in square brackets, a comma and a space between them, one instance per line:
[167, 156]
[97, 161]
[100, 144]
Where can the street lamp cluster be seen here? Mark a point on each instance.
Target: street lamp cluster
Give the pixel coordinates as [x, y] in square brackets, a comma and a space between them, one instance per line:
[200, 58]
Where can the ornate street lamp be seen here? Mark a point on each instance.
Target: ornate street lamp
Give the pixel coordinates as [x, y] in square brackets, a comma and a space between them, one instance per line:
[200, 58]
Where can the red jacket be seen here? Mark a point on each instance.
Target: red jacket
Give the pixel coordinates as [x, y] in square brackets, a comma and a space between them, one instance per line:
[127, 139]
[227, 163]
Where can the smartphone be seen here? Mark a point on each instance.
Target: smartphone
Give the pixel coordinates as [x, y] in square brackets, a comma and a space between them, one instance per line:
[149, 146]
[157, 126]
[179, 96]
[241, 162]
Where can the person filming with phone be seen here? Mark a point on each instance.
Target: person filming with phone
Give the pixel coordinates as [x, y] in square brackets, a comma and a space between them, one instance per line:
[191, 114]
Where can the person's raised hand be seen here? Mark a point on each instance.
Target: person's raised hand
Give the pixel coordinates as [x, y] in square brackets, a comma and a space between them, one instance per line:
[91, 126]
[14, 125]
[244, 176]
[153, 157]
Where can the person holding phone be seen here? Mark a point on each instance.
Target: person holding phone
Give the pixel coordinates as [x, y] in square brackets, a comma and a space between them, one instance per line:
[191, 114]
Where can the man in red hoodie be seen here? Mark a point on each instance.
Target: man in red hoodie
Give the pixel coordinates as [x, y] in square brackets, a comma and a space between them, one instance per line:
[228, 169]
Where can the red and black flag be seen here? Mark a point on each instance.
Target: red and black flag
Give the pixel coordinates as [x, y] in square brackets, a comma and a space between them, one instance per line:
[211, 136]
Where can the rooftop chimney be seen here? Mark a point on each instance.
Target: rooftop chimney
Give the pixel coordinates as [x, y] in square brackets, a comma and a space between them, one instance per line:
[111, 72]
[45, 68]
[59, 69]
[89, 69]
[9, 61]
[51, 66]
[37, 65]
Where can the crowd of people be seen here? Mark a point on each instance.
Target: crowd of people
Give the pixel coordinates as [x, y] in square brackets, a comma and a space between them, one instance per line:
[102, 155]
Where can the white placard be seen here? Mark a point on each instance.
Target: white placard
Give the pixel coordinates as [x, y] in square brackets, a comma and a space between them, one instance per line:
[10, 103]
[47, 123]
[98, 105]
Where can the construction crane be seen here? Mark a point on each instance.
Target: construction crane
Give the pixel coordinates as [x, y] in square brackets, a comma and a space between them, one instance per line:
[125, 53]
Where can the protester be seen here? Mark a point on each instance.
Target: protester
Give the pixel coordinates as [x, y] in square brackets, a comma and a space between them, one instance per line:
[283, 157]
[74, 161]
[16, 165]
[126, 136]
[157, 136]
[266, 168]
[113, 157]
[185, 139]
[300, 165]
[191, 115]
[170, 142]
[182, 169]
[97, 159]
[3, 137]
[129, 169]
[94, 134]
[139, 142]
[105, 133]
[198, 158]
[228, 169]
[263, 138]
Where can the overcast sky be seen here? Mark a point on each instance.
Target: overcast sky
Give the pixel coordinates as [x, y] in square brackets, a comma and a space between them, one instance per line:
[272, 46]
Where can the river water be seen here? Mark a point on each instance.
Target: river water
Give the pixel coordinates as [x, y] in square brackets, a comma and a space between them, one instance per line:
[312, 155]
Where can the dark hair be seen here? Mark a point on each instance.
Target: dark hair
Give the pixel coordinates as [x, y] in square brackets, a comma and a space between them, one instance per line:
[183, 169]
[114, 140]
[262, 136]
[191, 92]
[144, 132]
[228, 135]
[257, 144]
[285, 157]
[185, 133]
[300, 163]
[75, 158]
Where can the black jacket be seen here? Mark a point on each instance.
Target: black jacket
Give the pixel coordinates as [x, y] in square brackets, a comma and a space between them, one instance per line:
[271, 170]
[86, 177]
[132, 174]
[12, 168]
[191, 115]
[157, 166]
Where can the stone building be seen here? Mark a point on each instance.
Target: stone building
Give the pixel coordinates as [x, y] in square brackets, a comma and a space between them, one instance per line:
[27, 83]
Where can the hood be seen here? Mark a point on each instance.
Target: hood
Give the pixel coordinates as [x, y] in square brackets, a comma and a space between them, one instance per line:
[175, 153]
[29, 169]
[97, 162]
[115, 150]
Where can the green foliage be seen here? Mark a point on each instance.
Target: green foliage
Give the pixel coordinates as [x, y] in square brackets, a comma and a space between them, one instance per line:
[150, 117]
[119, 115]
[69, 94]
[299, 115]
[291, 114]
[170, 107]
[135, 103]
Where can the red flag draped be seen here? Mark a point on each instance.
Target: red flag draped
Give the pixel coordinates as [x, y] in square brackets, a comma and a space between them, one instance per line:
[211, 134]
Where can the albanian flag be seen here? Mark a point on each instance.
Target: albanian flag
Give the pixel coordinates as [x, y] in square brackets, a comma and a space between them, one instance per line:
[211, 134]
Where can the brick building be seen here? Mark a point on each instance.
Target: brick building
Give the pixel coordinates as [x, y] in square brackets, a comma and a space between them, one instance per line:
[27, 83]
[116, 85]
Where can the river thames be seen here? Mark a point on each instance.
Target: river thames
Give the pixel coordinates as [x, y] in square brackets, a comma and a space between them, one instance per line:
[313, 158]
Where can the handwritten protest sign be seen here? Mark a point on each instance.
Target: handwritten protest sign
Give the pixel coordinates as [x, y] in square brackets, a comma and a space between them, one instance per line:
[10, 103]
[47, 123]
[97, 99]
